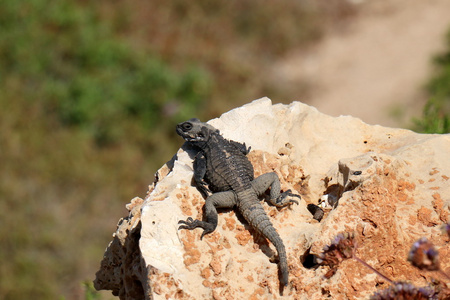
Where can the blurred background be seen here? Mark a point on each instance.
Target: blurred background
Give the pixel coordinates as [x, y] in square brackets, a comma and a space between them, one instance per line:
[90, 92]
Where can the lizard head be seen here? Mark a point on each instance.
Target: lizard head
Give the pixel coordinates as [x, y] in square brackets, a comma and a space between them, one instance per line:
[194, 131]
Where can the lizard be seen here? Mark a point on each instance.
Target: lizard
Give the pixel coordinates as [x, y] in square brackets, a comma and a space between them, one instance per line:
[225, 176]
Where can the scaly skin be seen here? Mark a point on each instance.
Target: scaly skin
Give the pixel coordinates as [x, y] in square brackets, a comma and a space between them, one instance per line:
[221, 167]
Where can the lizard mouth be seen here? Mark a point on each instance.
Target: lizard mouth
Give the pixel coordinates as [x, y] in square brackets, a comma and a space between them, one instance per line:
[183, 133]
[189, 134]
[180, 131]
[188, 137]
[193, 138]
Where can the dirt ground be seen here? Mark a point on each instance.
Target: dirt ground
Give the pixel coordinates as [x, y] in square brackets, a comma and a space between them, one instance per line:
[375, 66]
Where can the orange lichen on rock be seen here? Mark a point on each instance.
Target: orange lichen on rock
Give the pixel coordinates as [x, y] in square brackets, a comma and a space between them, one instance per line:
[412, 220]
[192, 254]
[433, 172]
[206, 273]
[207, 283]
[165, 284]
[374, 204]
[424, 217]
[258, 294]
[438, 205]
[185, 205]
[243, 236]
[405, 185]
[216, 265]
[230, 223]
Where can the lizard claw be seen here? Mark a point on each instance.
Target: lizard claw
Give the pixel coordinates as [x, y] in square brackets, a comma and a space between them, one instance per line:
[188, 224]
[280, 202]
[289, 193]
[192, 224]
[188, 220]
[293, 201]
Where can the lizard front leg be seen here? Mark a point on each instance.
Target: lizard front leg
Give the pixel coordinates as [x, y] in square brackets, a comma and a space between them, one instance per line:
[263, 182]
[218, 200]
[199, 174]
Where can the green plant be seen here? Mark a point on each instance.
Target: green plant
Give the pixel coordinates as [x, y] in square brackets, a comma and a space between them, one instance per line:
[89, 291]
[436, 113]
[435, 116]
[68, 63]
[82, 113]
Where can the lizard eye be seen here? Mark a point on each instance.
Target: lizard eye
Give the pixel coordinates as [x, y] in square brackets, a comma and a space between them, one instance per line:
[187, 126]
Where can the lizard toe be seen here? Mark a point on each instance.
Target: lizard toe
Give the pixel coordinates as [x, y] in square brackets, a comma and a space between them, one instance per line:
[293, 201]
[290, 194]
[188, 224]
[183, 227]
[188, 221]
[282, 201]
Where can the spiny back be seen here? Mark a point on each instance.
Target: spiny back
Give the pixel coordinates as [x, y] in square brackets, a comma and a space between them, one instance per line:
[227, 165]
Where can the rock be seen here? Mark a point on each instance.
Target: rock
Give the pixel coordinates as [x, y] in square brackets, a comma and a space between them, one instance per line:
[123, 270]
[387, 186]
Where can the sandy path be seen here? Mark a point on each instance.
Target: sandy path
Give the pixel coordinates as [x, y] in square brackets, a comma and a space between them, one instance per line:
[375, 68]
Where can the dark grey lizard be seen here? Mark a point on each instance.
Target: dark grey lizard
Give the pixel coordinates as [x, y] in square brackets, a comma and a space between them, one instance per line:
[221, 167]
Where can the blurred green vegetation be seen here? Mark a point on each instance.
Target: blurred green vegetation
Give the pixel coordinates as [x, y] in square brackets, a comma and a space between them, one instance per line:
[61, 57]
[89, 95]
[236, 41]
[436, 113]
[90, 292]
[85, 122]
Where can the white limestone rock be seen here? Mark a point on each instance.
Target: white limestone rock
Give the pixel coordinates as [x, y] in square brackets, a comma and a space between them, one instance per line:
[392, 186]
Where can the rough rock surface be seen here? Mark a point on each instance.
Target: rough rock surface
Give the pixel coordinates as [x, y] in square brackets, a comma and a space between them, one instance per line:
[391, 187]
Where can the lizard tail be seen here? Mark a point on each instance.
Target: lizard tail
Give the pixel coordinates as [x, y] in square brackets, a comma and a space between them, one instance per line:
[255, 215]
[275, 239]
[284, 280]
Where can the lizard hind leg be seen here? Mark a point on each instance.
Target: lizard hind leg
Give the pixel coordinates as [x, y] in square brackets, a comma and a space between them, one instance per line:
[278, 199]
[218, 200]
